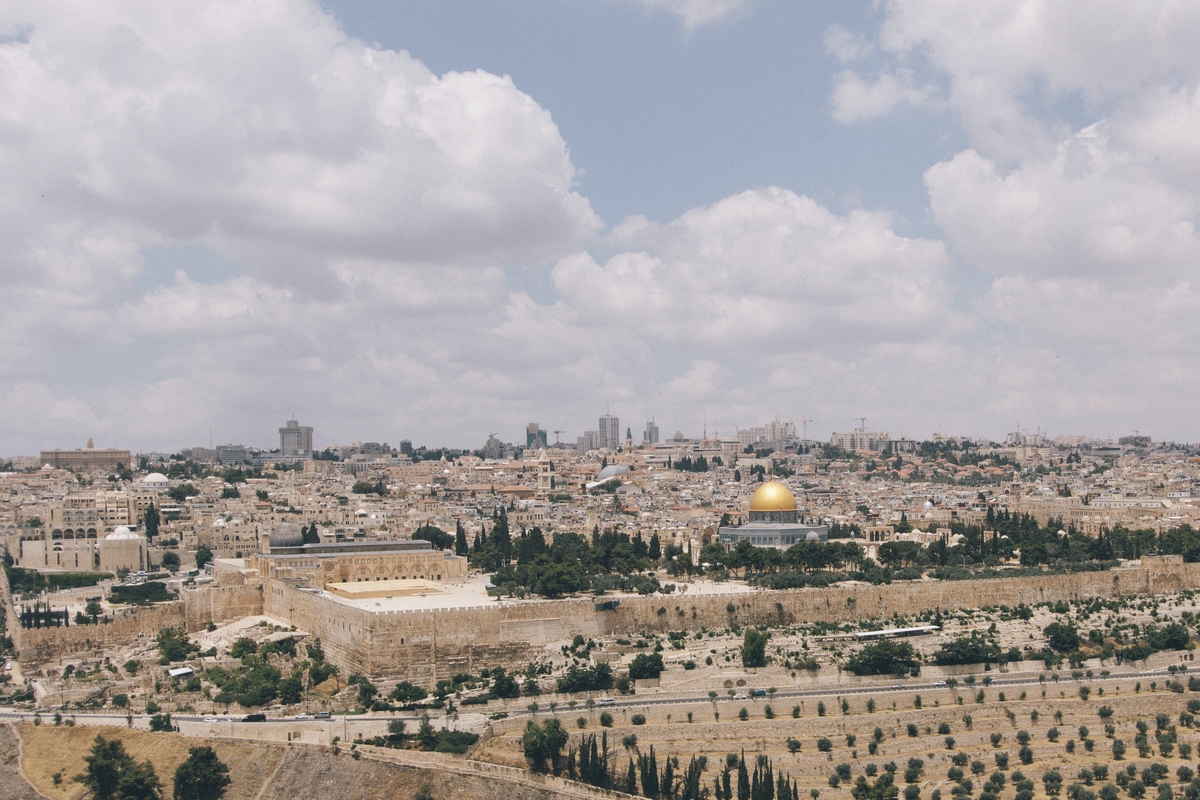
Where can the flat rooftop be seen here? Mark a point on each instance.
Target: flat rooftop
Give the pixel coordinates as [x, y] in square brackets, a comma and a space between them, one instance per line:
[419, 595]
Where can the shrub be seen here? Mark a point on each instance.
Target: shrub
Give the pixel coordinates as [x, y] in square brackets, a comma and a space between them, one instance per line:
[606, 719]
[638, 719]
[824, 745]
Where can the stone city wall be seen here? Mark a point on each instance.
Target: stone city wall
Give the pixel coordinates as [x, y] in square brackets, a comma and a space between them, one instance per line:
[219, 604]
[426, 645]
[37, 646]
[194, 610]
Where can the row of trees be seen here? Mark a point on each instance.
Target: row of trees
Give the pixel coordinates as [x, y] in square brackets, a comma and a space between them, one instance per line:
[110, 773]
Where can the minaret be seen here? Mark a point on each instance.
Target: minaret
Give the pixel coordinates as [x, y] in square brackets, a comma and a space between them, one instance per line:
[628, 440]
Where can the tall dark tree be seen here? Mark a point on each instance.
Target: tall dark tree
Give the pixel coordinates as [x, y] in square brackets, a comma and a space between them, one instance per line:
[201, 776]
[311, 534]
[110, 773]
[151, 520]
[460, 539]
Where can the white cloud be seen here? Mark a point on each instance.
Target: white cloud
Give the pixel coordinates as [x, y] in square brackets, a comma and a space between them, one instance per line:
[847, 45]
[694, 13]
[855, 99]
[1011, 64]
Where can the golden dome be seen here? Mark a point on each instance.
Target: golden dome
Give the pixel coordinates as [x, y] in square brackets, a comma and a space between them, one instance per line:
[773, 496]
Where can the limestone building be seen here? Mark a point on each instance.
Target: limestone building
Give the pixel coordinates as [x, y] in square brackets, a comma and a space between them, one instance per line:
[320, 566]
[772, 522]
[86, 460]
[86, 553]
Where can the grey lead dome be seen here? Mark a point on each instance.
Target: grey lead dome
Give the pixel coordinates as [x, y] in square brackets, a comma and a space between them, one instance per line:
[287, 534]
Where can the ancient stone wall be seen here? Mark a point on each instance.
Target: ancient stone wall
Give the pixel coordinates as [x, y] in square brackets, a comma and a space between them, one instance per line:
[36, 646]
[218, 604]
[423, 646]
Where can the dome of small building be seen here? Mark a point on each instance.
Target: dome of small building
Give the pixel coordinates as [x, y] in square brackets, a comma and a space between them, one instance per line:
[611, 471]
[287, 534]
[773, 496]
[122, 532]
[155, 479]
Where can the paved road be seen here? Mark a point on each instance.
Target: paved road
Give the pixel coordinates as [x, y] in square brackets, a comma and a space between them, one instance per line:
[692, 698]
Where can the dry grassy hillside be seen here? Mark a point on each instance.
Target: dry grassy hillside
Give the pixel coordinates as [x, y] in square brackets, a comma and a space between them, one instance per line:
[259, 771]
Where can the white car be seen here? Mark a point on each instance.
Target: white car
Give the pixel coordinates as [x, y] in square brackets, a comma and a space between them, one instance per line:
[606, 701]
[210, 719]
[300, 716]
[940, 683]
[897, 685]
[741, 697]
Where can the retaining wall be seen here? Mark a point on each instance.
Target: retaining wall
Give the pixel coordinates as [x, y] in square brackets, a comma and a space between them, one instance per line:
[426, 645]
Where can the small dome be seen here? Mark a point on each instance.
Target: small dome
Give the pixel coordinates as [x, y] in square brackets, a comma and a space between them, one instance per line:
[612, 470]
[928, 504]
[121, 532]
[155, 479]
[773, 496]
[287, 534]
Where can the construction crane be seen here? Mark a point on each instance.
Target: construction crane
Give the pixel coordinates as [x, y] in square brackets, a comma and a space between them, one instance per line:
[804, 421]
[556, 433]
[863, 420]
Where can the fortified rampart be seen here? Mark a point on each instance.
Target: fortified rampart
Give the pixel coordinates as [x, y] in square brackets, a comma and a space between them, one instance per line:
[194, 610]
[425, 645]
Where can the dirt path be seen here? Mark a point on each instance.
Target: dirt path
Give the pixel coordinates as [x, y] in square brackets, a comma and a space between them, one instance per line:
[13, 785]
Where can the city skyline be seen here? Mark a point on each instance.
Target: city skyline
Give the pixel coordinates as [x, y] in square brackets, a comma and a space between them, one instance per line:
[443, 219]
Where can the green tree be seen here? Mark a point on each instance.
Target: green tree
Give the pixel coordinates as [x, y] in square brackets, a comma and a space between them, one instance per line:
[1063, 637]
[405, 692]
[754, 648]
[203, 556]
[174, 645]
[139, 782]
[646, 665]
[103, 768]
[460, 539]
[170, 561]
[110, 773]
[544, 742]
[150, 520]
[884, 658]
[972, 649]
[201, 776]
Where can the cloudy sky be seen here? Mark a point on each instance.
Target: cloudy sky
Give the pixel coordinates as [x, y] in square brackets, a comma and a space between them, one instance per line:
[442, 218]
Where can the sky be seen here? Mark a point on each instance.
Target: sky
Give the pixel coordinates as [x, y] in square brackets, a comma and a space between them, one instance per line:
[439, 219]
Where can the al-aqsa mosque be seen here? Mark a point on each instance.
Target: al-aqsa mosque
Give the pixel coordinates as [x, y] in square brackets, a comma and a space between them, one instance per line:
[773, 521]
